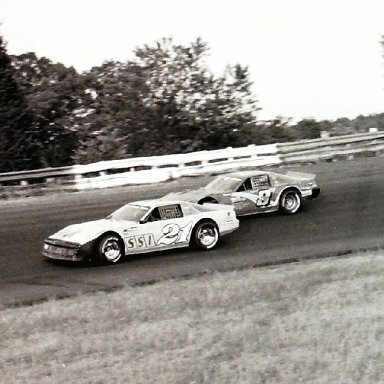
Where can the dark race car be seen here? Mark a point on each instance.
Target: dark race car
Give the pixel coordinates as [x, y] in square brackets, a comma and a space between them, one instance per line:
[252, 192]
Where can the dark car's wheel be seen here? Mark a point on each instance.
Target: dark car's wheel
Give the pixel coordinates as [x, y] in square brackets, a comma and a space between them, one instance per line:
[110, 248]
[208, 200]
[205, 235]
[290, 202]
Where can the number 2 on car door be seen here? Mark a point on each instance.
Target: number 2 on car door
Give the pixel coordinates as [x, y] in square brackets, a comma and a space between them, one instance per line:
[172, 233]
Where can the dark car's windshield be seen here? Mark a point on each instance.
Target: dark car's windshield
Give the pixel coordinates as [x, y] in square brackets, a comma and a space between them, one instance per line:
[129, 212]
[224, 184]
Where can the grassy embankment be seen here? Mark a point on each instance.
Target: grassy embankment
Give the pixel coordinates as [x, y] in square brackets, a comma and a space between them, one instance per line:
[312, 322]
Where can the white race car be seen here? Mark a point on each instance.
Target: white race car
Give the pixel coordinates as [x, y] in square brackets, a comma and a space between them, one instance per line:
[143, 226]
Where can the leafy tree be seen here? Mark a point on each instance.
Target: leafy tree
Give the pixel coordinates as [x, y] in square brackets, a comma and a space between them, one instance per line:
[308, 129]
[277, 130]
[20, 140]
[363, 123]
[191, 108]
[114, 106]
[55, 95]
[165, 100]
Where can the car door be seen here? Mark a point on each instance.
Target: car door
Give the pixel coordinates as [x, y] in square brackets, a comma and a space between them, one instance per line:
[253, 196]
[164, 227]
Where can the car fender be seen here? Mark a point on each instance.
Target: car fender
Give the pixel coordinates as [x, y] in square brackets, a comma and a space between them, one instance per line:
[286, 188]
[86, 232]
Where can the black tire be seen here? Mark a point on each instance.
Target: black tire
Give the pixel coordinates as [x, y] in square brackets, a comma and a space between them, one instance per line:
[110, 248]
[208, 200]
[290, 202]
[205, 235]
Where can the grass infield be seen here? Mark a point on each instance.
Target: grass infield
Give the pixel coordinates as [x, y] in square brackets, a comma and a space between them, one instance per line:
[319, 321]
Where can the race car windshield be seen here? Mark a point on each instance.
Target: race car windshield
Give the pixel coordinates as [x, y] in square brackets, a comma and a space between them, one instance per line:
[129, 212]
[224, 183]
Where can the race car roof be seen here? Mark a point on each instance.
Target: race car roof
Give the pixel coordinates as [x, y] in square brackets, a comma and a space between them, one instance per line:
[151, 203]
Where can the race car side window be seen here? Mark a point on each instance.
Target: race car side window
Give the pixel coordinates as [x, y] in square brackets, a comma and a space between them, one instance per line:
[166, 212]
[246, 186]
[170, 212]
[153, 216]
[254, 182]
[260, 181]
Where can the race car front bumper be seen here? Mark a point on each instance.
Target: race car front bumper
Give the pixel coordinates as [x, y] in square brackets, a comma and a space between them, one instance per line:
[61, 250]
[229, 226]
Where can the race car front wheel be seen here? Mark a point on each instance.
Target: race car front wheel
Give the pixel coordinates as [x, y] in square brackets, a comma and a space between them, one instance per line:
[205, 235]
[110, 248]
[290, 202]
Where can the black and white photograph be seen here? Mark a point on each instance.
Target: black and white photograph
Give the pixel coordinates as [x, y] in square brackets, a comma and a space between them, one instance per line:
[191, 192]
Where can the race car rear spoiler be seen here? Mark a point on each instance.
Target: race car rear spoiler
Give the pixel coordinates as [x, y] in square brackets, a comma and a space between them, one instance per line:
[215, 207]
[301, 175]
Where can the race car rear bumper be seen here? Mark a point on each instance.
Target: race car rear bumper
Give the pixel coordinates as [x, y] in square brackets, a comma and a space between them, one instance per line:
[229, 226]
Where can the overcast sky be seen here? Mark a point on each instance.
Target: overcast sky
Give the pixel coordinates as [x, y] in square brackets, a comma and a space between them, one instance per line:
[307, 58]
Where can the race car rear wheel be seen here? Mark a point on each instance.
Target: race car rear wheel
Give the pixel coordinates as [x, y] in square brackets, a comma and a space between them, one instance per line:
[290, 201]
[110, 248]
[205, 235]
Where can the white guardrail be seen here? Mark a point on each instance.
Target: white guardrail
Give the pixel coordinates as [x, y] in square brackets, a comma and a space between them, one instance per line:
[154, 169]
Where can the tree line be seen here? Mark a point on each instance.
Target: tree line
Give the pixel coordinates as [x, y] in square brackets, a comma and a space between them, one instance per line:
[164, 100]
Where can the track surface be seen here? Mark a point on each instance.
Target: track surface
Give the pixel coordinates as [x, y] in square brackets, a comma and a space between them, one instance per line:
[348, 216]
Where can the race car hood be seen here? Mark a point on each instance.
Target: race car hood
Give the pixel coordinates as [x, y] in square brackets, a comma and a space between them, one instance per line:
[85, 232]
[193, 195]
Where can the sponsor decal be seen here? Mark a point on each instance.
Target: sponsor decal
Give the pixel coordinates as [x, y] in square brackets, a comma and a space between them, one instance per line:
[172, 234]
[140, 241]
[149, 240]
[262, 198]
[130, 242]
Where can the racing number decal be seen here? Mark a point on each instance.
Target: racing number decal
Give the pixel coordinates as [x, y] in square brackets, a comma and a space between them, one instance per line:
[264, 198]
[172, 233]
[261, 198]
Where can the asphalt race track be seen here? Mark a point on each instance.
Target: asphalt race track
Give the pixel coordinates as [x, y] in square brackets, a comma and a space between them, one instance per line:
[348, 216]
